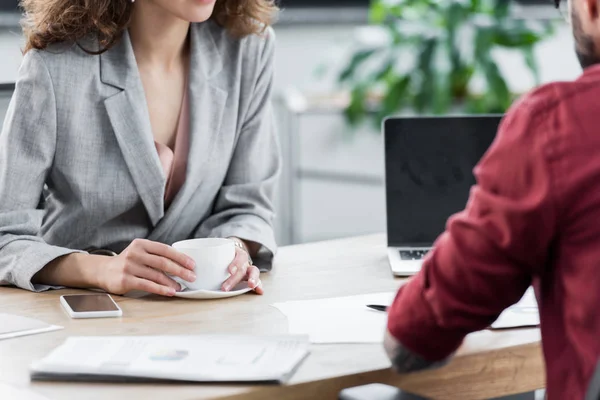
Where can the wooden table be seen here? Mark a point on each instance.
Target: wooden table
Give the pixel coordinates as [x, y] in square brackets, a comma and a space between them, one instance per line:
[489, 364]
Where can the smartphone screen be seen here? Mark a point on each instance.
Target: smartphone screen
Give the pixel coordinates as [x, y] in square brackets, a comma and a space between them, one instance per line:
[91, 303]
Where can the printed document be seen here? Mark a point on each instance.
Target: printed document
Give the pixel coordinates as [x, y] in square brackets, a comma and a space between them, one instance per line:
[201, 358]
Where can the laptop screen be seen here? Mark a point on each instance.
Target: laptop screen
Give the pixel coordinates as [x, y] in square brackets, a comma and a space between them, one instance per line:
[429, 165]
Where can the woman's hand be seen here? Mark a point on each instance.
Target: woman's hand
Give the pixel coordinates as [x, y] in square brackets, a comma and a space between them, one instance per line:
[241, 270]
[143, 266]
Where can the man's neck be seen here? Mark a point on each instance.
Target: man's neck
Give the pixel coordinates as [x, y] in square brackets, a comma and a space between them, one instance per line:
[158, 38]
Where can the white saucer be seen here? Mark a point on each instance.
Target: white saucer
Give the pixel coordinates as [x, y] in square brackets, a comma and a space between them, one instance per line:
[241, 288]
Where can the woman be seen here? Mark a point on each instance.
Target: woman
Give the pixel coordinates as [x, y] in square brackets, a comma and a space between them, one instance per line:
[148, 119]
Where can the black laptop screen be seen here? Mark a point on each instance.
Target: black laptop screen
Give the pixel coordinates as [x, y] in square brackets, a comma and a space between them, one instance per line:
[429, 172]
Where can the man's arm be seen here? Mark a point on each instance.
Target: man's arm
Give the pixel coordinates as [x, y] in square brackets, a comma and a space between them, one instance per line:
[485, 260]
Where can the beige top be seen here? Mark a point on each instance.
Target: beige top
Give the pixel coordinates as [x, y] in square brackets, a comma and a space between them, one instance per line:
[174, 162]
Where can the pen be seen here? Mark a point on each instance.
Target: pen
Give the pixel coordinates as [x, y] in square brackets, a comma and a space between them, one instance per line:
[378, 307]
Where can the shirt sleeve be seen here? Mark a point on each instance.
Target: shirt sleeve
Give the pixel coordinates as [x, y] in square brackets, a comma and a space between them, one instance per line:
[27, 146]
[484, 261]
[244, 205]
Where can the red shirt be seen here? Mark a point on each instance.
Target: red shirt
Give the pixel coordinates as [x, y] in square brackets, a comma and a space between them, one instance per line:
[532, 218]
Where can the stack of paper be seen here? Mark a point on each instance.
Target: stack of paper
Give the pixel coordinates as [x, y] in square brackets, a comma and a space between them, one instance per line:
[13, 326]
[203, 358]
[340, 319]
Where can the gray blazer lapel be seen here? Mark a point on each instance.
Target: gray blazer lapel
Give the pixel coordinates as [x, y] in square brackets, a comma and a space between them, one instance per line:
[207, 106]
[128, 113]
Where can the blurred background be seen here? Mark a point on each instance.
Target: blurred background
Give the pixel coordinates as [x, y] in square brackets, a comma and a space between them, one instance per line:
[344, 65]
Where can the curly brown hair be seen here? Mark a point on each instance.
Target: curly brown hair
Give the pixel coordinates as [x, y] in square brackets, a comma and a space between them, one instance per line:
[52, 21]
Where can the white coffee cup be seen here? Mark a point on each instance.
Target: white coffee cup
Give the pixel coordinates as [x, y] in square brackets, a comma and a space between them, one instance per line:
[212, 257]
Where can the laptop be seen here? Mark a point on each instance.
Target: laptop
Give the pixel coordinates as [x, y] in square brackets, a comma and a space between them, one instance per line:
[429, 165]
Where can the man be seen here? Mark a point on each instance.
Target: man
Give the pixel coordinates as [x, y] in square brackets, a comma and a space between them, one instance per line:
[532, 218]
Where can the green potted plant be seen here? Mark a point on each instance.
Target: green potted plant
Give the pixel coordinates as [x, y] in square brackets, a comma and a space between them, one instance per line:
[435, 50]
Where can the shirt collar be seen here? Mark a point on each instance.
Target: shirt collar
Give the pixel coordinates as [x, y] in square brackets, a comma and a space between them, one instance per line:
[592, 70]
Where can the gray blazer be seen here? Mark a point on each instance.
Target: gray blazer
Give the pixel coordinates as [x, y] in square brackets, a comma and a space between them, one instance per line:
[79, 169]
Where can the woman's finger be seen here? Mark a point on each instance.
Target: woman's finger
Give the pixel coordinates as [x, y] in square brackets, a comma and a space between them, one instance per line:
[254, 281]
[259, 289]
[168, 252]
[253, 276]
[240, 273]
[151, 287]
[165, 265]
[240, 259]
[155, 275]
[233, 280]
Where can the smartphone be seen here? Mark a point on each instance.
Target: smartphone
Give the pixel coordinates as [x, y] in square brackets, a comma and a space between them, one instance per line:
[90, 306]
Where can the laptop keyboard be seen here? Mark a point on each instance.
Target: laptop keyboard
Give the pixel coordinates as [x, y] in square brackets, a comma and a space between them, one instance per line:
[408, 255]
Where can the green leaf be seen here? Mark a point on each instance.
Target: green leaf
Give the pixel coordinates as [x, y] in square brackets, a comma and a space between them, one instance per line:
[394, 98]
[531, 62]
[501, 8]
[357, 59]
[497, 95]
[455, 15]
[516, 35]
[385, 73]
[442, 93]
[459, 80]
[497, 88]
[476, 105]
[515, 39]
[356, 110]
[424, 96]
[483, 44]
[442, 84]
[398, 38]
[377, 12]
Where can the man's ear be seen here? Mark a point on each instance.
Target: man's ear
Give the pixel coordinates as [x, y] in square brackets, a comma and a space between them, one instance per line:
[590, 7]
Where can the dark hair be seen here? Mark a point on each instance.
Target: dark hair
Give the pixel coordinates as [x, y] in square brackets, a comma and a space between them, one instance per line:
[54, 21]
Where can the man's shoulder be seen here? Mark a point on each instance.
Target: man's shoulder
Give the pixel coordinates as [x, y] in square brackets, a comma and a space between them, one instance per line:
[544, 118]
[541, 99]
[525, 119]
[548, 97]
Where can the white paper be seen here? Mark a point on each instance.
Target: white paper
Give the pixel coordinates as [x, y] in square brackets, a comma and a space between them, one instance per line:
[348, 320]
[524, 313]
[11, 392]
[339, 319]
[202, 358]
[14, 326]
